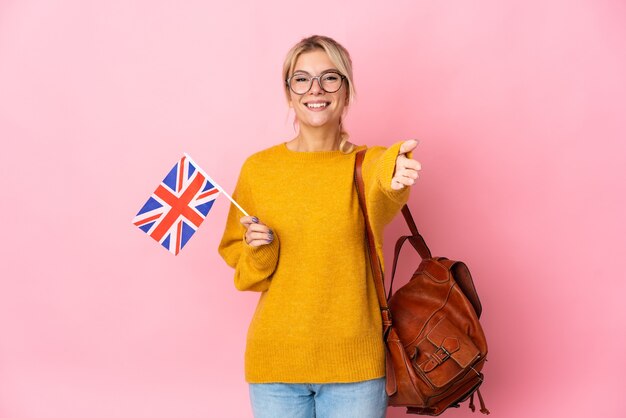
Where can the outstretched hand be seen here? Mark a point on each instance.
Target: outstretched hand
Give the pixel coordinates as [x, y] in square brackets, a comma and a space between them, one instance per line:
[406, 170]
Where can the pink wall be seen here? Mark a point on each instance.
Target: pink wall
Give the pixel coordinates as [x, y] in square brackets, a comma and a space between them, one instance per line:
[519, 106]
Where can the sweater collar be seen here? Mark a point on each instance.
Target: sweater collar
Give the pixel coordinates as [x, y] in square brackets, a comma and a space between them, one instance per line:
[317, 155]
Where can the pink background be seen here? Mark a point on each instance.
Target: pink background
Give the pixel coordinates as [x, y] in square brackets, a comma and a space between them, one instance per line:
[519, 106]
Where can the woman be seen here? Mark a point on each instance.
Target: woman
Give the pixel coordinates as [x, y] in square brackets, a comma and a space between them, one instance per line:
[314, 346]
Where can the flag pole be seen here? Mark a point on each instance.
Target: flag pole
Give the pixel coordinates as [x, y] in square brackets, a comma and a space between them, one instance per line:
[215, 184]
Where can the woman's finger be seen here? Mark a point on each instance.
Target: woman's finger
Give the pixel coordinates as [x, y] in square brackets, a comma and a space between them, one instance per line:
[407, 181]
[412, 164]
[250, 220]
[252, 235]
[404, 162]
[396, 184]
[258, 228]
[247, 220]
[404, 178]
[408, 172]
[259, 238]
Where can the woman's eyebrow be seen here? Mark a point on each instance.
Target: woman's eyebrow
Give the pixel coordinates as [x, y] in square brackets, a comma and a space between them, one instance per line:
[306, 72]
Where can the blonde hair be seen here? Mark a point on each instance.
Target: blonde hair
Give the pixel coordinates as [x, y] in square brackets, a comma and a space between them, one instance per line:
[339, 57]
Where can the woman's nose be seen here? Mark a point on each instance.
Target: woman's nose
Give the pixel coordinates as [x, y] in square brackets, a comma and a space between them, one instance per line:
[316, 86]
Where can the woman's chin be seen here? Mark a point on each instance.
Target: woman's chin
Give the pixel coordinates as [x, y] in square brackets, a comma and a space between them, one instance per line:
[318, 122]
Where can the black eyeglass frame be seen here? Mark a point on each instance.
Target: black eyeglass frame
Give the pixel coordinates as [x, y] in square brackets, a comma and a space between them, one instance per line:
[319, 81]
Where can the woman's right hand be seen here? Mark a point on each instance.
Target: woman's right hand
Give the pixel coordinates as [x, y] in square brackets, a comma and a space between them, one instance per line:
[257, 233]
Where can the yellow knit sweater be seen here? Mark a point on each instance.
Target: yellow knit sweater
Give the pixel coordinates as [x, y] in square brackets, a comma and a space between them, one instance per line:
[318, 318]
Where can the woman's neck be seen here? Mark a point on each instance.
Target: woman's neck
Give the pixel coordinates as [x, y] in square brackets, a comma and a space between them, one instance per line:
[316, 139]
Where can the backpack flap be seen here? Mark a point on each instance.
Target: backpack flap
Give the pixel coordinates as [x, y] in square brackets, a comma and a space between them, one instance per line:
[463, 279]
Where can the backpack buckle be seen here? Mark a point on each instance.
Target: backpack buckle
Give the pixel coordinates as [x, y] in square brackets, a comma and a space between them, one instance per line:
[386, 313]
[437, 355]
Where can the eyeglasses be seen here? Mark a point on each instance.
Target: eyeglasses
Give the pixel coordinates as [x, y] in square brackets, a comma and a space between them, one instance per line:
[330, 81]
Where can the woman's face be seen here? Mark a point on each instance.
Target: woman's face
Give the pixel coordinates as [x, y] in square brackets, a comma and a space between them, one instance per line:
[314, 63]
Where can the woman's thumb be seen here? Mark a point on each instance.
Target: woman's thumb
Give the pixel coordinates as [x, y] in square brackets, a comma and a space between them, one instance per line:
[408, 146]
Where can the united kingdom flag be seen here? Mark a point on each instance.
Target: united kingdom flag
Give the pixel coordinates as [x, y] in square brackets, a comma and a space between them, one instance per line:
[178, 206]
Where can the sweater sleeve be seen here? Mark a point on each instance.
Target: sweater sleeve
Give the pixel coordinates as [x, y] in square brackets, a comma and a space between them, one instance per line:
[382, 201]
[254, 266]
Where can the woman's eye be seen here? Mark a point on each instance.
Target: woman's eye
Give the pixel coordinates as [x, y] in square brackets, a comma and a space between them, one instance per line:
[301, 79]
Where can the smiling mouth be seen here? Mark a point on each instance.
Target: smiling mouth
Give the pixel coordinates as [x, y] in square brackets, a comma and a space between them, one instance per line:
[317, 105]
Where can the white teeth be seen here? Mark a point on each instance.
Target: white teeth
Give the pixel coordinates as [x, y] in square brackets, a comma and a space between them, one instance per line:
[316, 105]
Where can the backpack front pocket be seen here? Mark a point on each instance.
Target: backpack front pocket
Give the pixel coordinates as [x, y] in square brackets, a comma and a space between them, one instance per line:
[445, 354]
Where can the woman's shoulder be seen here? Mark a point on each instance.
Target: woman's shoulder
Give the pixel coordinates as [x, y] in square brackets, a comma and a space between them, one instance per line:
[265, 154]
[373, 151]
[375, 148]
[261, 159]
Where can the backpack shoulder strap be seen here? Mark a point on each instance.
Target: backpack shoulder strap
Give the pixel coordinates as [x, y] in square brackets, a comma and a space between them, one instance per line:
[371, 247]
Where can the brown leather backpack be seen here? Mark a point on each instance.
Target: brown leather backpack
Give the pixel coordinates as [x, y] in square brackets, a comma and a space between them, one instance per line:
[436, 347]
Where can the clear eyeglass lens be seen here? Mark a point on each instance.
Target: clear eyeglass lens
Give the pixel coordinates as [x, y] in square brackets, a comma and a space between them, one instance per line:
[301, 83]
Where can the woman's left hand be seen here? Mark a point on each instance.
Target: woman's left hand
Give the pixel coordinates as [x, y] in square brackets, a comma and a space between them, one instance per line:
[406, 170]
